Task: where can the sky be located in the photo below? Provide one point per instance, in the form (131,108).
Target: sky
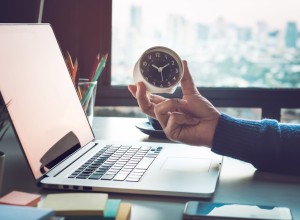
(241,12)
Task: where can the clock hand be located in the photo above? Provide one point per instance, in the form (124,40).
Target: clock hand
(165,66)
(156,67)
(161,70)
(162,78)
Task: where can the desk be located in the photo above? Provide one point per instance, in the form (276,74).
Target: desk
(239,182)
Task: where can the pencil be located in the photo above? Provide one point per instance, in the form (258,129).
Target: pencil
(95,66)
(74,71)
(100,67)
(95,78)
(79,93)
(69,62)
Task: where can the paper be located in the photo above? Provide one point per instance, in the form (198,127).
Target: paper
(124,211)
(25,213)
(111,208)
(20,198)
(76,203)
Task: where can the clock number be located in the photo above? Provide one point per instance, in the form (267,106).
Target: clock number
(169,83)
(149,57)
(145,63)
(177,70)
(173,62)
(174,78)
(157,54)
(166,56)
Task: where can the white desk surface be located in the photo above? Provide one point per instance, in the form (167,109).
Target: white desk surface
(239,182)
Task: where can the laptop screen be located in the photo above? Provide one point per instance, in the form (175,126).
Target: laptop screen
(34,80)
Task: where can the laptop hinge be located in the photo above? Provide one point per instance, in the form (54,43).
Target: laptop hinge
(63,148)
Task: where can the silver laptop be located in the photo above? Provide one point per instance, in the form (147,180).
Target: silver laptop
(59,143)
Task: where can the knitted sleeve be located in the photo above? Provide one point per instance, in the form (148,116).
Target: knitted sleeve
(267,144)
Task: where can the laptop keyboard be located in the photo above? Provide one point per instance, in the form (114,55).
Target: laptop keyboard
(118,163)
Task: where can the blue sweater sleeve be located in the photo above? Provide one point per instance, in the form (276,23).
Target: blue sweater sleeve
(268,145)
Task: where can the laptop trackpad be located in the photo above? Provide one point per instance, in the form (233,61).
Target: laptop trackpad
(187,164)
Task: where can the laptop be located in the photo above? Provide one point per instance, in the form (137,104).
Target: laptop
(58,141)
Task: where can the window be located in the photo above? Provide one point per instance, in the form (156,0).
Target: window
(236,63)
(228,43)
(241,53)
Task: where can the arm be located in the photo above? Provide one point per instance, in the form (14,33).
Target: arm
(267,144)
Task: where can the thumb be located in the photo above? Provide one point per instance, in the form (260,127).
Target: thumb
(187,84)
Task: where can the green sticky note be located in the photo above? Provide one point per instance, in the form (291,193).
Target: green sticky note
(111,209)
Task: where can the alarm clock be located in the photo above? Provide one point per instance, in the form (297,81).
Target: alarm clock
(160,68)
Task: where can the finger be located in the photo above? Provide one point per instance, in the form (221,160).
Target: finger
(187,84)
(162,109)
(143,101)
(132,89)
(157,99)
(178,118)
(174,129)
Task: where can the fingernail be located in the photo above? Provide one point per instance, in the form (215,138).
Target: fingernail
(150,98)
(140,83)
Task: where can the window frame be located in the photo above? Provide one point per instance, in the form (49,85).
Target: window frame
(270,100)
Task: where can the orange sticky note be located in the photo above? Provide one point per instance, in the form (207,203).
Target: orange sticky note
(20,198)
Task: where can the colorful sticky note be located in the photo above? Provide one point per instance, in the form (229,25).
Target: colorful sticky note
(25,213)
(76,203)
(20,199)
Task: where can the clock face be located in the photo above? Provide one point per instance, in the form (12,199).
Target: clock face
(160,69)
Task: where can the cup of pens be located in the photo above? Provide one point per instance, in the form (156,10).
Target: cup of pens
(87,88)
(87,93)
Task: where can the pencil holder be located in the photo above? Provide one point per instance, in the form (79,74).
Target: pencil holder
(87,93)
(2,163)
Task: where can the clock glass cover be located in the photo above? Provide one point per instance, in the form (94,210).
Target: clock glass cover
(160,69)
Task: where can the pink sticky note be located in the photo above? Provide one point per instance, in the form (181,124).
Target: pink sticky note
(20,198)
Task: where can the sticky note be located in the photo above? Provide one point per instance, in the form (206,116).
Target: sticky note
(25,213)
(76,203)
(124,212)
(111,209)
(20,199)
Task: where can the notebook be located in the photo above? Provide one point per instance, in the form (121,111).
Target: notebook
(58,141)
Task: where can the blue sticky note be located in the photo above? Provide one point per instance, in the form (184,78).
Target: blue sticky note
(111,209)
(10,212)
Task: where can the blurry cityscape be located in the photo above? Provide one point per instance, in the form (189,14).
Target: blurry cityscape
(219,53)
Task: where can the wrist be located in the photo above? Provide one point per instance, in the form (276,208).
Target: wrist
(214,123)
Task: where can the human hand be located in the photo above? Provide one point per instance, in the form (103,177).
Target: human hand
(145,99)
(191,120)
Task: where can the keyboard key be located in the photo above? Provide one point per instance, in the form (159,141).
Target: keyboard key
(107,176)
(120,177)
(132,179)
(95,176)
(144,163)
